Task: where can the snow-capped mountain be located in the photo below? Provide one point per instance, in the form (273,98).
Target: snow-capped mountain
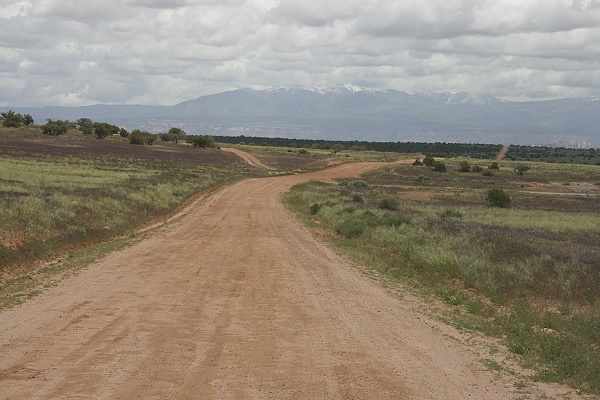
(350,112)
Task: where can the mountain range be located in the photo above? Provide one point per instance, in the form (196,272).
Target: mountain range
(353,113)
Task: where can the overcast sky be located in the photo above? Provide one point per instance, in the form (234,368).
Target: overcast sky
(68,52)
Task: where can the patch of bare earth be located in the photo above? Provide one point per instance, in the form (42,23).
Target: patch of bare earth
(235,301)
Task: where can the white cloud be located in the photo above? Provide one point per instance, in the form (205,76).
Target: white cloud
(166,51)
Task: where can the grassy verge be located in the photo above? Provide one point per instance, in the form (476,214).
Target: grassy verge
(529,274)
(52,203)
(16,290)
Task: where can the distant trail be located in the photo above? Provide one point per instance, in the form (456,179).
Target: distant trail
(235,300)
(248,158)
(502,153)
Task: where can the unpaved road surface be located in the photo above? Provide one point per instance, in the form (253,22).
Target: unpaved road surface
(234,301)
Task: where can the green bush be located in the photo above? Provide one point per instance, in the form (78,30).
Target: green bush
(451,213)
(494,165)
(395,220)
(315,208)
(476,168)
(464,166)
(498,198)
(141,137)
(56,128)
(521,169)
(429,161)
(352,228)
(418,162)
(488,173)
(360,183)
(202,141)
(389,203)
(357,197)
(439,166)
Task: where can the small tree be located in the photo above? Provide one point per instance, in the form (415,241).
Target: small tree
(55,128)
(27,119)
(12,119)
(85,126)
(141,137)
(202,141)
(494,165)
(498,198)
(177,134)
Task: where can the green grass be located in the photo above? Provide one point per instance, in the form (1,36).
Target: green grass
(52,203)
(513,267)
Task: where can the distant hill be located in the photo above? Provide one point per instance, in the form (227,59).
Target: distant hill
(352,113)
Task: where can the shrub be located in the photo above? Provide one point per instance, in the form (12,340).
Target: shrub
(476,168)
(357,197)
(395,220)
(429,161)
(498,198)
(360,183)
(439,166)
(202,141)
(494,165)
(521,169)
(488,173)
(141,137)
(418,162)
(450,213)
(315,208)
(389,203)
(55,128)
(464,166)
(352,228)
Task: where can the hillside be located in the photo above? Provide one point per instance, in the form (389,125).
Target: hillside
(352,113)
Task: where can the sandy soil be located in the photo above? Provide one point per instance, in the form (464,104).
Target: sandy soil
(248,158)
(236,300)
(502,153)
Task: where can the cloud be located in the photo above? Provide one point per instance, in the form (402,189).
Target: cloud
(163,52)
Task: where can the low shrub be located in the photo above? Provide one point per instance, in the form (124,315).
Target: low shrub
(357,197)
(315,208)
(498,198)
(389,203)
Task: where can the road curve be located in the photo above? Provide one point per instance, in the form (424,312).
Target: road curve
(234,301)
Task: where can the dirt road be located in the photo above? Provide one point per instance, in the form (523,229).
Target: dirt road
(235,301)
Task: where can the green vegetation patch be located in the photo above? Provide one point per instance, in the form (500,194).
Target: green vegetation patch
(49,203)
(529,273)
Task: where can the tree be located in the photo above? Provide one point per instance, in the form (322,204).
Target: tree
(55,128)
(123,132)
(176,134)
(498,198)
(103,129)
(141,137)
(12,119)
(27,119)
(85,126)
(521,169)
(202,141)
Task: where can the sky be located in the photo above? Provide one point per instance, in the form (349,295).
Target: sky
(73,53)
